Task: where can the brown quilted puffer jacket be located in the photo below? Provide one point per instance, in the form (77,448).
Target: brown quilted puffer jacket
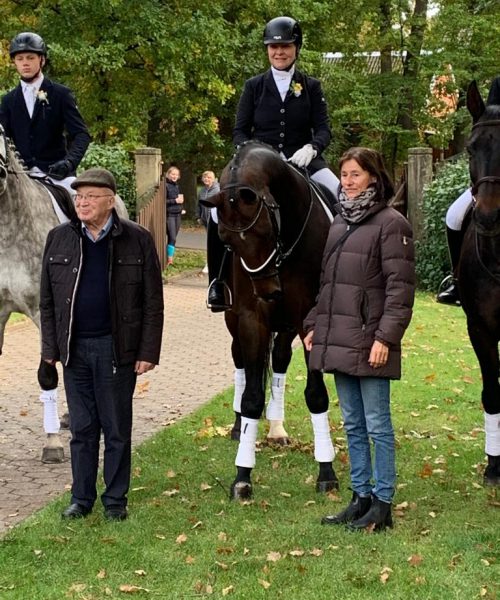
(366,293)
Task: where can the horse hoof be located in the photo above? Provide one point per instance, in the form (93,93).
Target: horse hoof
(281,441)
(323,487)
(51,455)
(241,490)
(64,421)
(491,480)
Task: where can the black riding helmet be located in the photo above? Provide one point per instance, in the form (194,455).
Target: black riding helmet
(283,30)
(27,42)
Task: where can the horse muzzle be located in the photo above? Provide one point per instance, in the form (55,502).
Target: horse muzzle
(267,287)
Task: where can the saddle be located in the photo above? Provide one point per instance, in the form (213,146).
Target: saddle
(61,196)
(324,193)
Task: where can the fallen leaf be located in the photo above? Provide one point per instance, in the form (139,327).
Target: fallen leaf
(432,514)
(483,591)
(140,572)
(78,587)
(222,565)
(205,486)
(23,413)
(101,574)
(222,537)
(426,471)
(180,539)
(265,584)
(138,489)
(228,590)
(170,473)
(316,552)
(285,494)
(197,524)
(189,560)
(160,536)
(170,493)
(415,559)
(310,503)
(37,552)
(296,553)
(273,556)
(401,505)
(132,589)
(385,574)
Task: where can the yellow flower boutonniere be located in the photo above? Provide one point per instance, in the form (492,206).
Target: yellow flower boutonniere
(296,89)
(41,96)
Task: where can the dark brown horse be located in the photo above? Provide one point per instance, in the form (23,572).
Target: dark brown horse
(277,227)
(479,268)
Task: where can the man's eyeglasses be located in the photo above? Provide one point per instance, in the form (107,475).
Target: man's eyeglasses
(91,197)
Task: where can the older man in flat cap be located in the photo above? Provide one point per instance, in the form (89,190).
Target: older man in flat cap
(101,304)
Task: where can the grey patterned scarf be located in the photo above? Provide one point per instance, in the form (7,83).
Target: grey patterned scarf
(354,211)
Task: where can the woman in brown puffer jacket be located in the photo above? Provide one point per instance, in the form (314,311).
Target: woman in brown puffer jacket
(363,309)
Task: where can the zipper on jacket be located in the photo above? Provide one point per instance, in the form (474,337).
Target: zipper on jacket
(73,296)
(334,276)
(110,287)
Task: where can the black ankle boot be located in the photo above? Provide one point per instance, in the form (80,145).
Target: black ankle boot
(449,294)
(358,506)
(216,298)
(377,518)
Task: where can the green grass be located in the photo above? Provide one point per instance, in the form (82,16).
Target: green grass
(185,539)
(185,261)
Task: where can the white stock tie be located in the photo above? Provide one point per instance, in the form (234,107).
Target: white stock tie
(30,98)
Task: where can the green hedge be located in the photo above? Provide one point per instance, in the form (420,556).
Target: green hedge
(116,159)
(433,262)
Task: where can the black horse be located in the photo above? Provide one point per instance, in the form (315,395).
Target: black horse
(277,227)
(479,267)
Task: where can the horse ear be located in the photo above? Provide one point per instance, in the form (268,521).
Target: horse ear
(475,103)
(494,95)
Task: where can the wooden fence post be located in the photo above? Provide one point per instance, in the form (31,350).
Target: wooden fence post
(419,175)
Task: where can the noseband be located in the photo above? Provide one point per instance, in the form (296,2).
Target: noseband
(487,178)
(273,210)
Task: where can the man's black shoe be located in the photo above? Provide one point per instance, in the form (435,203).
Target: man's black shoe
(75,511)
(115,513)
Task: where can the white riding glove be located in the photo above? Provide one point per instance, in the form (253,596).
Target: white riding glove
(304,156)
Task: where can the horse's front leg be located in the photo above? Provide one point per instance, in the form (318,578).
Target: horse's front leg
(53,451)
(275,412)
(316,396)
(486,349)
(256,356)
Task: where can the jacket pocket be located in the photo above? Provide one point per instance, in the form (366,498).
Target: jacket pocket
(59,268)
(129,268)
(365,309)
(130,330)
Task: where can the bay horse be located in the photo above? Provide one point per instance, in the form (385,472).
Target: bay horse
(277,227)
(479,266)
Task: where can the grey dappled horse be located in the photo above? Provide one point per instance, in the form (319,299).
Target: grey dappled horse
(27,216)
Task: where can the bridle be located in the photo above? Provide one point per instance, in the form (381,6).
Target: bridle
(5,166)
(487,178)
(479,230)
(273,210)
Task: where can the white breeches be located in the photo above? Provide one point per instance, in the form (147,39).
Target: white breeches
(457,211)
(328,179)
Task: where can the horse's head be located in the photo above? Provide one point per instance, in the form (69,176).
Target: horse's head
(249,217)
(483,147)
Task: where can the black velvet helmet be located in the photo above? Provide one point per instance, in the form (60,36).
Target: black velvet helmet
(27,42)
(283,30)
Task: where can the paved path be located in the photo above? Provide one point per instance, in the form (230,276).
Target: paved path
(195,343)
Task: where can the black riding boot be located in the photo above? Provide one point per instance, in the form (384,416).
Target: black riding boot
(449,295)
(358,507)
(216,260)
(377,518)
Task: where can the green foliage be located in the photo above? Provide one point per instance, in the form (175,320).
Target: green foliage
(433,262)
(184,539)
(117,160)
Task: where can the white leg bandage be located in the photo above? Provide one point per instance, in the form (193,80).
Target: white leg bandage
(492,434)
(239,388)
(276,406)
(246,448)
(50,415)
(323,447)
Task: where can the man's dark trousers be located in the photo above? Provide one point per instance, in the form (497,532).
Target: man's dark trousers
(99,396)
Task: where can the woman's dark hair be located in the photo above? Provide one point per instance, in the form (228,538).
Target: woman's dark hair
(371,161)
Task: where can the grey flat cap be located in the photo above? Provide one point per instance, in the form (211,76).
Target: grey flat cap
(97,177)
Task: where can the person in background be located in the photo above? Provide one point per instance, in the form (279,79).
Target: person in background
(101,313)
(355,330)
(174,200)
(286,109)
(210,188)
(41,117)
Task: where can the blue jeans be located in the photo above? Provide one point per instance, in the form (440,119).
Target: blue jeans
(365,406)
(99,397)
